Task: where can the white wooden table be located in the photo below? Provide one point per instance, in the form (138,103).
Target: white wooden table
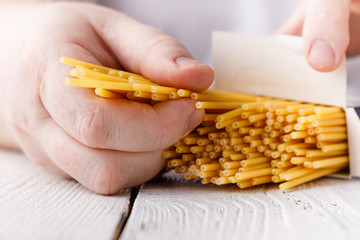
(38,205)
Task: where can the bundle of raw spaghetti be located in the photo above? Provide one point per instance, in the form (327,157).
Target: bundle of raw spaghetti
(244,139)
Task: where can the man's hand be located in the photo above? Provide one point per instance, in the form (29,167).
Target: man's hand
(104,144)
(330,29)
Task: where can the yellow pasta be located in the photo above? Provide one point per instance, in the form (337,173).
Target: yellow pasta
(208,174)
(328,122)
(255,161)
(291,118)
(231,165)
(258,166)
(81,71)
(141,87)
(135,79)
(320,153)
(125,74)
(253,173)
(142,94)
(300,160)
(208,97)
(244,184)
(294,174)
(74,63)
(261,180)
(218,105)
(229,115)
(206,130)
(206,180)
(327,110)
(240,97)
(308,177)
(300,151)
(243,139)
(230,172)
(253,155)
(257,117)
(106,94)
(222,180)
(162,90)
(201,161)
(331,162)
(188,157)
(284,164)
(332,136)
(91,83)
(210,167)
(291,147)
(299,134)
(184,93)
(240,123)
(277,171)
(330,129)
(237,156)
(276,179)
(177,162)
(196,149)
(159,97)
(170,154)
(210,117)
(297,107)
(334,147)
(183,149)
(306,111)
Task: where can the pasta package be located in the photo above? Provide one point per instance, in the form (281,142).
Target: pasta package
(266,140)
(250,136)
(276,66)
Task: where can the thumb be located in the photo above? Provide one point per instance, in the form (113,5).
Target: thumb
(149,51)
(326,33)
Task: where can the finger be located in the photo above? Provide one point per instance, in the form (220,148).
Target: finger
(103,171)
(294,25)
(150,52)
(326,33)
(117,124)
(33,151)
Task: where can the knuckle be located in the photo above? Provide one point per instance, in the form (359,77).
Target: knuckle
(168,130)
(157,39)
(20,120)
(110,177)
(92,129)
(15,119)
(164,132)
(318,14)
(49,166)
(325,16)
(160,135)
(38,159)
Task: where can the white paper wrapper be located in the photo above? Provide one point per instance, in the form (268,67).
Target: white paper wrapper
(275,66)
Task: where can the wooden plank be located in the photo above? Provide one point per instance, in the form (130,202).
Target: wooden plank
(327,209)
(37,205)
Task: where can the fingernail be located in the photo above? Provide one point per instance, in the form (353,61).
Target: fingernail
(185,61)
(194,120)
(322,56)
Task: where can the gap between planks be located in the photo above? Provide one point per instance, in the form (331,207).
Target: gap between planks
(124,218)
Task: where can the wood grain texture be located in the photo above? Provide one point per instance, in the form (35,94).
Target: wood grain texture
(324,209)
(37,205)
